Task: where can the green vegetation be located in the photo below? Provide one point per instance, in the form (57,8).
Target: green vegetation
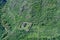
(30,20)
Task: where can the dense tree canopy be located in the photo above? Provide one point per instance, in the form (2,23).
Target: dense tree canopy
(29,19)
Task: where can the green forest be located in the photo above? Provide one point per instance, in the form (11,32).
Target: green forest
(29,19)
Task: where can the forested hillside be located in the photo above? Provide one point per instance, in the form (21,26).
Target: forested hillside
(29,19)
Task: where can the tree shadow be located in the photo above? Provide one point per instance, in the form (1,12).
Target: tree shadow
(2,3)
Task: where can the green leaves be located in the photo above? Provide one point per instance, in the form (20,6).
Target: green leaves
(40,16)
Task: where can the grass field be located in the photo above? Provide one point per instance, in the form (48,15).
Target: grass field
(30,20)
